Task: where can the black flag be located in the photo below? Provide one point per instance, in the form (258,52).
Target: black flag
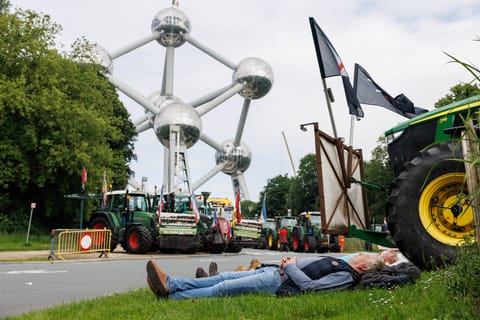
(369,92)
(331,65)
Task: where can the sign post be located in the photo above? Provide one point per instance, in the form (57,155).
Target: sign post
(32,206)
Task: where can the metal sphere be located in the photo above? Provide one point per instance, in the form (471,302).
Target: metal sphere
(257,74)
(160,102)
(173,23)
(237,159)
(182,115)
(98,55)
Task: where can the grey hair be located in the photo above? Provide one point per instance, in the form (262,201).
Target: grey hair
(376,264)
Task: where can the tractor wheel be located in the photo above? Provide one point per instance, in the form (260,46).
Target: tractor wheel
(334,245)
(271,243)
(215,248)
(234,248)
(309,244)
(296,240)
(137,240)
(102,223)
(428,211)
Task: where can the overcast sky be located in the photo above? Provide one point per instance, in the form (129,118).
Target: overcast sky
(400,43)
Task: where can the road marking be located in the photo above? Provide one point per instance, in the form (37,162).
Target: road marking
(33,272)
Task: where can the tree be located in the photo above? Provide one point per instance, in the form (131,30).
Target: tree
(378,172)
(248,209)
(57,116)
(457,93)
(4,6)
(276,190)
(303,193)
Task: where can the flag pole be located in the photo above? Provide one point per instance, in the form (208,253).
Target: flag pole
(329,106)
(352,124)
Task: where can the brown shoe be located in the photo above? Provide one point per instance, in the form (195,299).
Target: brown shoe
(254,264)
(152,287)
(213,269)
(157,279)
(201,273)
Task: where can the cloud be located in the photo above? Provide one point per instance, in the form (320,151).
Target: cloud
(400,43)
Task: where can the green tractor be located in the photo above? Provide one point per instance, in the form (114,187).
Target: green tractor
(308,236)
(287,222)
(429,210)
(269,233)
(128,215)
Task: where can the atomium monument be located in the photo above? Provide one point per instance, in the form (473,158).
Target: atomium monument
(178,124)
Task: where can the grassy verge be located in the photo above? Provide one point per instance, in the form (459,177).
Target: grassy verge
(17,242)
(428,298)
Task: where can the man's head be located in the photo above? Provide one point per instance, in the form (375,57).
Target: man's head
(389,256)
(366,262)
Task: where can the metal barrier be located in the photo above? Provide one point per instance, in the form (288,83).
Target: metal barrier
(78,241)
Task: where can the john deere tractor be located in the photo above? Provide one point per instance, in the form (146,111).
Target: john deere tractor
(429,210)
(269,233)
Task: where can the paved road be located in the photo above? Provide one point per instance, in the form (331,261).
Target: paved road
(32,286)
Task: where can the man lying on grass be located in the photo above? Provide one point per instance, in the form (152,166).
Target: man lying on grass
(290,277)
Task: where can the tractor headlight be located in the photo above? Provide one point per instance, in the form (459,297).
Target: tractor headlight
(393,136)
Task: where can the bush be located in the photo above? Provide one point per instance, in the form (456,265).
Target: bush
(465,273)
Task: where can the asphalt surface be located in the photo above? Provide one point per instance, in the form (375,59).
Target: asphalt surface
(28,285)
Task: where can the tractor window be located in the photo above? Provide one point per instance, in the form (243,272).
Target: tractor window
(269,224)
(315,220)
(138,203)
(289,222)
(118,203)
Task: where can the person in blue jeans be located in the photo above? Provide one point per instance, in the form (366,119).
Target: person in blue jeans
(291,276)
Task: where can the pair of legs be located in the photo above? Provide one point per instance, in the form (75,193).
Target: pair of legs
(265,280)
(213,269)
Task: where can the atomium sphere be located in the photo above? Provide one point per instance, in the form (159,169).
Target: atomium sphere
(237,159)
(98,55)
(180,115)
(257,74)
(160,102)
(174,23)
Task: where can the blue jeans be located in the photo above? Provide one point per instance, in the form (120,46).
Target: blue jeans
(265,280)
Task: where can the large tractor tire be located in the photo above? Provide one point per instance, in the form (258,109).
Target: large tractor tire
(271,242)
(102,223)
(428,211)
(309,244)
(138,240)
(297,244)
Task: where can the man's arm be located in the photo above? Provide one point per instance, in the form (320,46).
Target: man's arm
(336,280)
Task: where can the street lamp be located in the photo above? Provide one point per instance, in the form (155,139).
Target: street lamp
(303,126)
(318,159)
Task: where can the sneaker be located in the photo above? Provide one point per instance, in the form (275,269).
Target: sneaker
(213,269)
(157,279)
(201,273)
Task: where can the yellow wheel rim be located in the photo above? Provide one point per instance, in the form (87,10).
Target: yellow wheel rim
(270,240)
(445,211)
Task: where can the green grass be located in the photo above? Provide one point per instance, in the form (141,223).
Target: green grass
(428,298)
(17,242)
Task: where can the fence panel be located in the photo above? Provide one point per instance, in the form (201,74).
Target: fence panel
(77,241)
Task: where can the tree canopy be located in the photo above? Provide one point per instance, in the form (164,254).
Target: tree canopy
(57,116)
(458,92)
